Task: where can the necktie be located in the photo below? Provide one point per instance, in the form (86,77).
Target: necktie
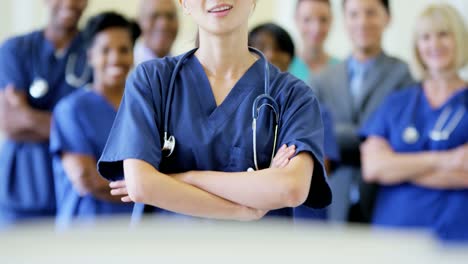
(356,83)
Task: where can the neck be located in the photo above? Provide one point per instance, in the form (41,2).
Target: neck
(60,37)
(365,54)
(159,53)
(439,87)
(227,56)
(315,57)
(113,94)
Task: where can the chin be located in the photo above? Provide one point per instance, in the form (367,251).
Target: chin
(117,81)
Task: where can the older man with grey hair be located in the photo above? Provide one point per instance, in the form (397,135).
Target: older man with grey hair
(159,23)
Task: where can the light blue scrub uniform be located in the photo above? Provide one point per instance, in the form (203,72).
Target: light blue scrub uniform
(300,69)
(26,178)
(408,205)
(210,137)
(332,153)
(81,124)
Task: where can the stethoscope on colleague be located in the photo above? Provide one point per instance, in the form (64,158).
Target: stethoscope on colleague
(263,100)
(40,87)
(442,128)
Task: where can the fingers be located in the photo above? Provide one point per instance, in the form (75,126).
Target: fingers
(13,96)
(283,156)
(281,153)
(117,184)
(285,163)
(291,151)
(119,191)
(287,153)
(126,199)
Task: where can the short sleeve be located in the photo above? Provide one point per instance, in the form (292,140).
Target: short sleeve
(67,133)
(377,124)
(11,69)
(301,125)
(331,149)
(135,132)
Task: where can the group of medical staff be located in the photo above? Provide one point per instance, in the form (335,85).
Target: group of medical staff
(102,121)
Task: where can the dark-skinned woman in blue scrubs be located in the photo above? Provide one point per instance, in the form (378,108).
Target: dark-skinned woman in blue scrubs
(82,121)
(217,147)
(36,71)
(417,142)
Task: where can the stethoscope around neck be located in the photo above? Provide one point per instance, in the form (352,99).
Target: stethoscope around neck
(262,101)
(443,127)
(40,87)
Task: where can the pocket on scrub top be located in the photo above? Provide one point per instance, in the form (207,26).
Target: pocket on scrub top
(240,159)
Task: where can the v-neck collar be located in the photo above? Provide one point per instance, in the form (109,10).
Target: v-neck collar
(49,47)
(454,97)
(104,100)
(216,115)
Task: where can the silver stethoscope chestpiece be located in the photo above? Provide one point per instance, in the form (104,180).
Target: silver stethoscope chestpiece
(169,145)
(410,135)
(39,88)
(438,135)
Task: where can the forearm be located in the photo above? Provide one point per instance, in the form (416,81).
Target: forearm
(147,185)
(81,172)
(397,168)
(443,180)
(266,189)
(28,124)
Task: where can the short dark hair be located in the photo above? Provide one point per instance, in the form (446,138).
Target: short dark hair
(279,34)
(385,4)
(106,20)
(323,1)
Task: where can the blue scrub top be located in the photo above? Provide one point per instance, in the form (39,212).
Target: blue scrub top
(332,153)
(210,137)
(409,205)
(81,124)
(26,178)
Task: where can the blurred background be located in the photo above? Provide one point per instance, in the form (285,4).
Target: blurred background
(21,16)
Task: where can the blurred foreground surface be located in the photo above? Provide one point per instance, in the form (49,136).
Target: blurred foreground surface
(171,241)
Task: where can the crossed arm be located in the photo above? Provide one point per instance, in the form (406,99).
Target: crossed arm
(18,120)
(438,170)
(220,195)
(82,173)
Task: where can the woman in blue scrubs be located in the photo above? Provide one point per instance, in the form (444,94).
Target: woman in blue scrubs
(210,116)
(82,121)
(313,21)
(278,47)
(417,142)
(36,70)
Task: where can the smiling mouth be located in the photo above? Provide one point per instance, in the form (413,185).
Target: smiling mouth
(220,9)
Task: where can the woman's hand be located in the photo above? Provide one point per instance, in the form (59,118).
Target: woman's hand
(455,159)
(283,156)
(374,152)
(119,188)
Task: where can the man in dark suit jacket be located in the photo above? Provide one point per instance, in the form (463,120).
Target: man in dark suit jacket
(352,90)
